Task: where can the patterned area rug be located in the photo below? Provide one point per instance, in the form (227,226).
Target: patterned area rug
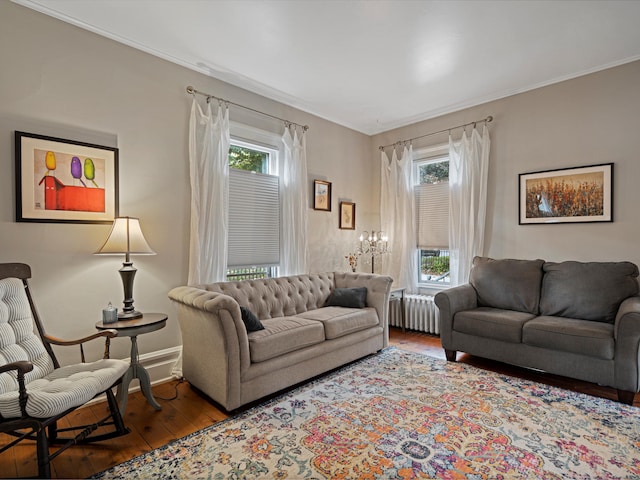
(404,415)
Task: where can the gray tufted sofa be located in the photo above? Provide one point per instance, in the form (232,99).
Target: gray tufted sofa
(579,320)
(302,337)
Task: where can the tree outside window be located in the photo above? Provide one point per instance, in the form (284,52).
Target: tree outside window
(244,158)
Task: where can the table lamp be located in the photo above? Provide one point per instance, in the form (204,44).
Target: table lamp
(126,237)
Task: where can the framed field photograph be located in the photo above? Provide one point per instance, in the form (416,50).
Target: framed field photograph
(322,195)
(347,216)
(64,181)
(570,195)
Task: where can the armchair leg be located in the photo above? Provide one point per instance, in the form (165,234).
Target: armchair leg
(626,397)
(450,354)
(114,409)
(53,432)
(42,447)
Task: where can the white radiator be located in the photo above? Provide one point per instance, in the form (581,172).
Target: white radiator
(421,314)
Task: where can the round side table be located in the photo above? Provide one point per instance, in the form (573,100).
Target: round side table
(149,322)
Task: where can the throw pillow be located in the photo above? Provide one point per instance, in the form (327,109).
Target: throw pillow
(348,297)
(251,322)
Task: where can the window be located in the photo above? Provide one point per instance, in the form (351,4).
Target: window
(432,208)
(254,206)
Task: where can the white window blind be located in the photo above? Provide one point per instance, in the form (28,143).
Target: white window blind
(254,219)
(432,202)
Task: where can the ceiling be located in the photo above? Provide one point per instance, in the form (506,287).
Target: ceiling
(371,65)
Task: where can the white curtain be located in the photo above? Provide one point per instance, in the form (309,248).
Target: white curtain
(397,218)
(209,171)
(293,260)
(468,170)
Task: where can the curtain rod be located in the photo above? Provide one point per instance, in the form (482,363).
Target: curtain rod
(400,142)
(193,91)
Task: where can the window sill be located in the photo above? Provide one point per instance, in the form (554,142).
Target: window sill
(431,289)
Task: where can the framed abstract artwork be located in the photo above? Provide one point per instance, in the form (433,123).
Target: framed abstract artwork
(347,216)
(64,181)
(322,195)
(570,195)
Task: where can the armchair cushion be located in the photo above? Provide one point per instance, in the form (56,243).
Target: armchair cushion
(64,388)
(18,342)
(588,291)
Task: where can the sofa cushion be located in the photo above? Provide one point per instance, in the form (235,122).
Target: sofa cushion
(355,297)
(505,325)
(584,337)
(340,321)
(507,283)
(587,291)
(283,335)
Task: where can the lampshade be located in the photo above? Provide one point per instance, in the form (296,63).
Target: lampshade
(126,237)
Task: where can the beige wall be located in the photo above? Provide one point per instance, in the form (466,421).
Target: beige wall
(585,121)
(62,81)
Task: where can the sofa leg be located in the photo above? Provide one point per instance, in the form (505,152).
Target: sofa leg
(626,397)
(450,354)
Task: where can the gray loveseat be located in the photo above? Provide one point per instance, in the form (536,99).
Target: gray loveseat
(301,337)
(579,320)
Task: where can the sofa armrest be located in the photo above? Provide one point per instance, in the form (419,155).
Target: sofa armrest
(215,343)
(202,299)
(627,341)
(450,302)
(378,288)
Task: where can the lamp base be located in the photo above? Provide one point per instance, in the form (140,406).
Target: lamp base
(128,273)
(129,315)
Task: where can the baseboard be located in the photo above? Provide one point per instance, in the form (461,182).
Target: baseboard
(159,365)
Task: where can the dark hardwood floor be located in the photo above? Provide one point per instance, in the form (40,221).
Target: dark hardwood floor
(190,412)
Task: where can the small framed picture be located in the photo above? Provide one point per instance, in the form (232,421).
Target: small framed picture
(322,195)
(65,181)
(347,215)
(569,195)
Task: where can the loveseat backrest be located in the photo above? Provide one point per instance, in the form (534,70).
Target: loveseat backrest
(278,297)
(582,290)
(587,290)
(507,283)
